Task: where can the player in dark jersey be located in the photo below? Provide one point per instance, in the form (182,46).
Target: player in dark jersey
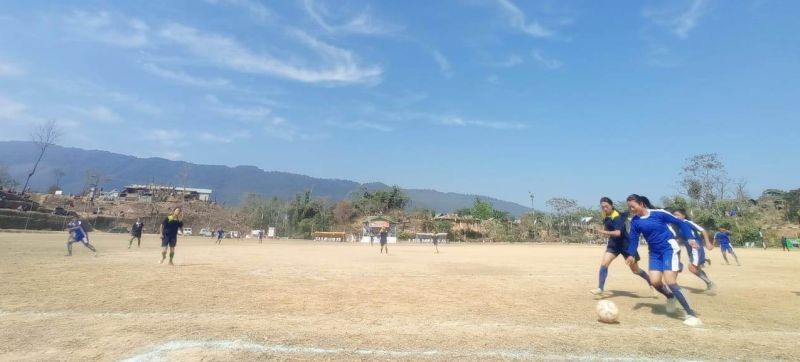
(170,228)
(136,233)
(614,230)
(384,238)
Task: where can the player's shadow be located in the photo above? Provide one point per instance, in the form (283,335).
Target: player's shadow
(198,264)
(622,293)
(796,293)
(659,309)
(694,290)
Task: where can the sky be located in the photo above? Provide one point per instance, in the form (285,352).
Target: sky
(577,99)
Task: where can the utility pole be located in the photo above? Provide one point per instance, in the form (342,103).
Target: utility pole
(533,210)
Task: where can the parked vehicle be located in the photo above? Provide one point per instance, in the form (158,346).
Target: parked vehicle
(187,231)
(206,232)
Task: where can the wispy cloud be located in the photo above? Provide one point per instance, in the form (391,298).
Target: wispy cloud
(255,8)
(111,29)
(361,125)
(184,78)
(511,61)
(95,91)
(461,122)
(253,114)
(443,63)
(363,23)
(680,21)
(167,137)
(11,110)
(224,137)
(10,70)
(549,63)
(339,65)
(101,114)
(516,19)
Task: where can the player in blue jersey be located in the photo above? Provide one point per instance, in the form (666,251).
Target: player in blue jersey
(78,235)
(614,230)
(723,237)
(697,254)
(663,250)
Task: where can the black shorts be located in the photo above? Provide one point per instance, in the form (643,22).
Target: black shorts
(169,241)
(383,242)
(616,250)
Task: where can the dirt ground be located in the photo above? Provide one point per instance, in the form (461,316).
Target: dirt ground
(300,300)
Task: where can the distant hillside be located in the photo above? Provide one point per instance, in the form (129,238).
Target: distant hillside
(229,183)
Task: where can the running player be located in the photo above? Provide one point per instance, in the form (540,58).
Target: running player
(663,250)
(220,234)
(136,233)
(614,230)
(78,234)
(170,228)
(723,236)
(697,254)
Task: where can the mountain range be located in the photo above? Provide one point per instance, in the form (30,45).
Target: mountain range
(229,184)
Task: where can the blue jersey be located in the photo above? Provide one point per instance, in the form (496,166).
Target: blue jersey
(723,237)
(697,232)
(655,230)
(77,231)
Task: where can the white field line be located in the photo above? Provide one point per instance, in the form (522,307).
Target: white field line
(232,317)
(158,352)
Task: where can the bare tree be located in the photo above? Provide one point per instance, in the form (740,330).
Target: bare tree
(705,179)
(741,190)
(45,135)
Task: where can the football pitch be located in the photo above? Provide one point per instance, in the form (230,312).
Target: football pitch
(301,300)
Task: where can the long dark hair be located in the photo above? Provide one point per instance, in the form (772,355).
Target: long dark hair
(683,212)
(642,200)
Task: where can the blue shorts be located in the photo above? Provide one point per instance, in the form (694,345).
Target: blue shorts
(666,259)
(169,241)
(697,257)
(726,247)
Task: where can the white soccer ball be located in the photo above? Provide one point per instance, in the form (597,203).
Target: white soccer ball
(607,311)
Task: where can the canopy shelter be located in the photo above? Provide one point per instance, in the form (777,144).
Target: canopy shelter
(372,225)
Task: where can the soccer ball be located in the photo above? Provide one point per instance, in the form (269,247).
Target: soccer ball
(607,311)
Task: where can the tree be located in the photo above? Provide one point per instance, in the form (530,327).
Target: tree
(482,210)
(261,213)
(46,135)
(563,208)
(343,212)
(380,201)
(705,179)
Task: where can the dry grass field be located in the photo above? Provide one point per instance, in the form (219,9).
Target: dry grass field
(301,300)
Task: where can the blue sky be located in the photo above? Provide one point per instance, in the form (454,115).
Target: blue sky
(497,97)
